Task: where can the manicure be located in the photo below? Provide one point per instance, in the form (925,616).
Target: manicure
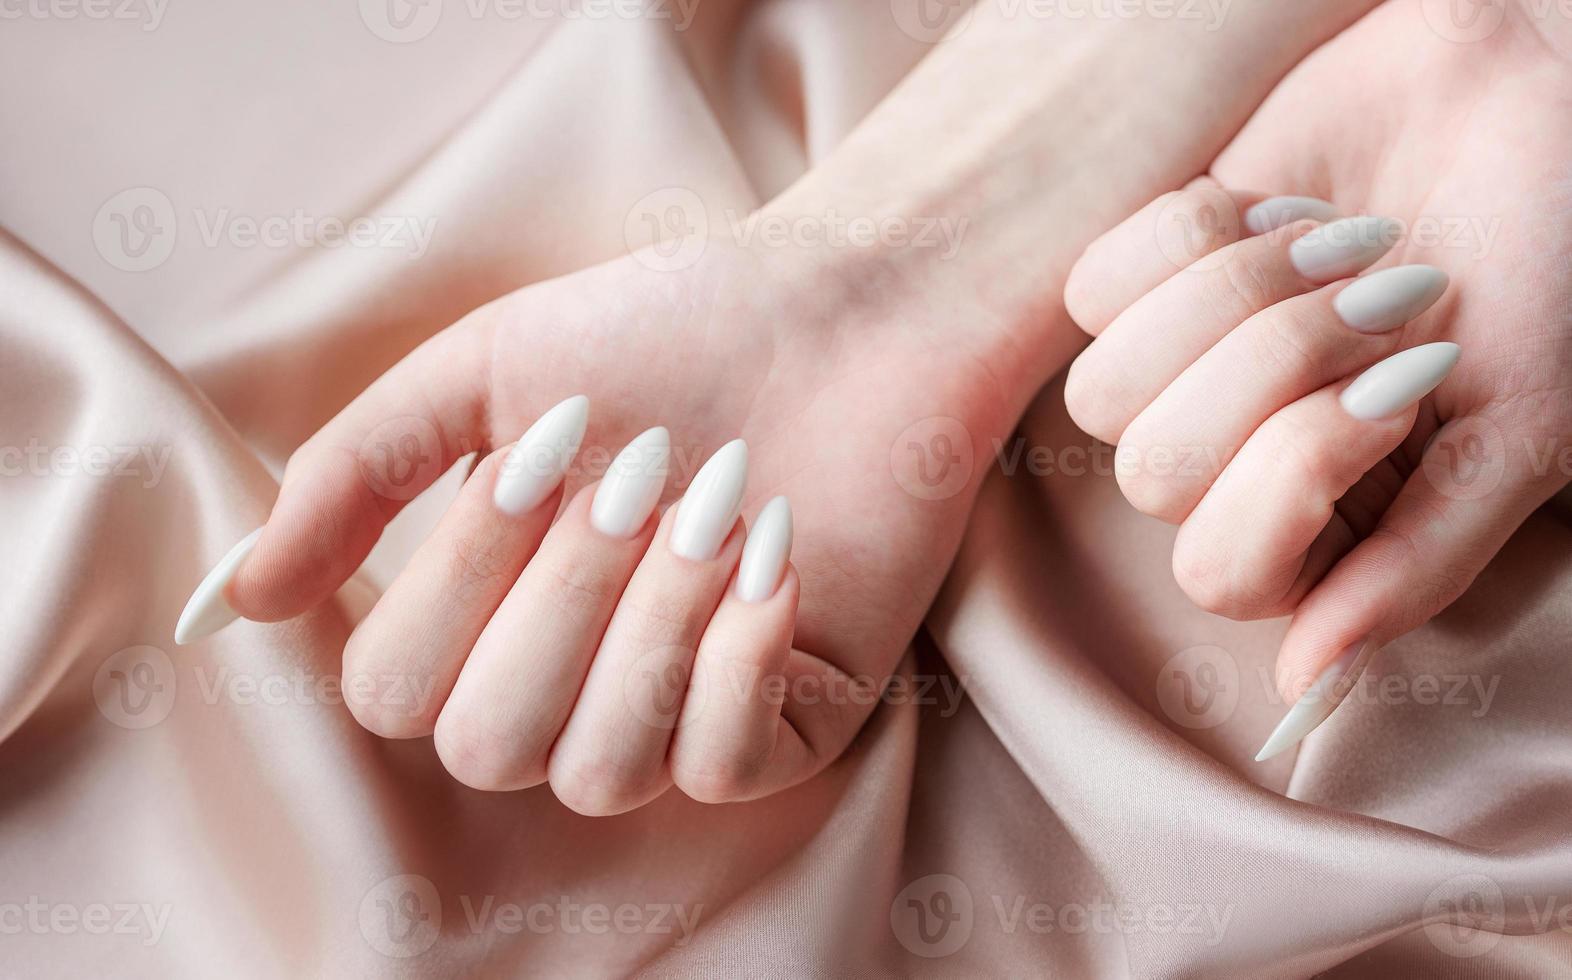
(1319,700)
(632,485)
(1397,382)
(1343,248)
(540,458)
(1275,212)
(1388,299)
(208,611)
(766,552)
(708,510)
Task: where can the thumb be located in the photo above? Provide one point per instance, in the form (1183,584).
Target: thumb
(343,485)
(1472,489)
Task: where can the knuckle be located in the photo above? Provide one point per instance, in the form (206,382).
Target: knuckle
(1302,454)
(725,781)
(1086,400)
(595,787)
(1243,286)
(476,567)
(1152,478)
(481,759)
(1285,346)
(1082,298)
(1199,570)
(576,586)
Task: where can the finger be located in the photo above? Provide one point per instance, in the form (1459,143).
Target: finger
(518,685)
(1241,552)
(731,742)
(611,755)
(1150,246)
(1273,359)
(344,484)
(1165,331)
(402,660)
(1474,487)
(339,494)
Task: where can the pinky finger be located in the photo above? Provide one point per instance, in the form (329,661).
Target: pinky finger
(729,734)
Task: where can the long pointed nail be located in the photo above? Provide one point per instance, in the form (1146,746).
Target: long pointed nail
(541,457)
(708,510)
(631,487)
(1275,212)
(1319,700)
(1343,248)
(1388,299)
(766,552)
(207,611)
(1392,385)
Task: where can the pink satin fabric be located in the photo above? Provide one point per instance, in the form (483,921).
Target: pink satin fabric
(1087,807)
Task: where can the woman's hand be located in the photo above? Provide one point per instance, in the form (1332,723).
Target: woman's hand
(1363,510)
(563,654)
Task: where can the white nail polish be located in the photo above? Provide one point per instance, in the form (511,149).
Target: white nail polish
(1388,299)
(1275,212)
(631,487)
(708,510)
(207,611)
(541,456)
(765,553)
(1343,248)
(1394,384)
(1319,700)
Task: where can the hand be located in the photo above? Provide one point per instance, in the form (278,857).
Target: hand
(1362,528)
(531,641)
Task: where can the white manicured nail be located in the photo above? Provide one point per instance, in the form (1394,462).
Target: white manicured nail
(1275,212)
(207,611)
(632,485)
(1388,299)
(708,510)
(541,456)
(766,552)
(1394,384)
(1319,700)
(1343,248)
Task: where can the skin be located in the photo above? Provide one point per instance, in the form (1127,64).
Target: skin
(869,382)
(1356,529)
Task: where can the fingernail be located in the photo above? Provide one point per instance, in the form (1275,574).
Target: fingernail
(708,510)
(1319,700)
(1394,384)
(632,485)
(1388,299)
(1343,248)
(765,554)
(541,456)
(1275,212)
(207,611)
